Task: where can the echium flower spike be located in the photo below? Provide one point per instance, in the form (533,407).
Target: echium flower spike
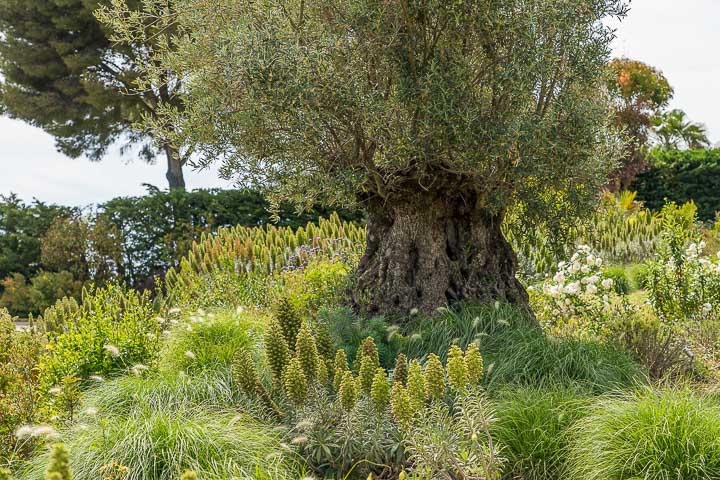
(474,364)
(416,386)
(348,391)
(276,349)
(400,405)
(401,369)
(380,392)
(306,351)
(434,378)
(289,319)
(295,383)
(339,369)
(369,363)
(59,468)
(456,369)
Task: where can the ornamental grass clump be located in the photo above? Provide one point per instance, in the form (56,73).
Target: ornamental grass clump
(151,444)
(534,426)
(650,434)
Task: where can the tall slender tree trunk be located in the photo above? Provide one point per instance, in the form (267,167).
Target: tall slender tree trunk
(427,251)
(174,174)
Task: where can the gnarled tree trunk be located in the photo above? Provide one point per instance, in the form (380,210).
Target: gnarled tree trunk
(428,251)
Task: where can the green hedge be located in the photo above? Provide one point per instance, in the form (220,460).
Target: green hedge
(681,176)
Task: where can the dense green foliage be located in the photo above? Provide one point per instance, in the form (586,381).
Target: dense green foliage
(50,252)
(22,227)
(682,176)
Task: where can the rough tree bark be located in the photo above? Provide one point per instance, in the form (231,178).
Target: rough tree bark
(428,251)
(174,173)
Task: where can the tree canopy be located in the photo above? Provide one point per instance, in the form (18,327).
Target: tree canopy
(639,94)
(61,72)
(455,110)
(340,99)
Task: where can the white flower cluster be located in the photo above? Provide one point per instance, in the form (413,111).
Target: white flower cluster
(578,286)
(687,287)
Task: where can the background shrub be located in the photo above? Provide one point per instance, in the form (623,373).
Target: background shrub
(114,330)
(682,176)
(20,353)
(208,341)
(618,275)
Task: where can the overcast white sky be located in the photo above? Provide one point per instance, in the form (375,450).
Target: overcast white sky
(678,37)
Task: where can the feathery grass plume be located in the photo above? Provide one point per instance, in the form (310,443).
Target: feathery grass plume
(5,474)
(276,349)
(434,378)
(348,391)
(473,364)
(380,392)
(339,368)
(369,362)
(295,383)
(59,468)
(400,373)
(307,353)
(457,371)
(189,475)
(416,388)
(289,319)
(401,405)
(244,374)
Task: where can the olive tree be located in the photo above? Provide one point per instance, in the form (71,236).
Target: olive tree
(435,116)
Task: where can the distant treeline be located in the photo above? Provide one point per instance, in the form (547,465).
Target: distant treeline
(50,251)
(680,176)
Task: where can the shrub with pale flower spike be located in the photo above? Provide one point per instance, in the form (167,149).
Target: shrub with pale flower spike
(434,378)
(295,384)
(348,391)
(59,468)
(339,369)
(380,392)
(457,371)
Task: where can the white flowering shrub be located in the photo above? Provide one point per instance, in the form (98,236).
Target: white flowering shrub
(578,290)
(684,285)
